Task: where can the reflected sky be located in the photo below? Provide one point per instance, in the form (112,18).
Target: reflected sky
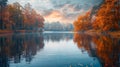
(58,50)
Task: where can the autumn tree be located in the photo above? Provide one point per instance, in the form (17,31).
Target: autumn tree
(2,6)
(12,16)
(32,20)
(17,13)
(27,15)
(103,17)
(107,16)
(39,22)
(15,17)
(82,23)
(7,23)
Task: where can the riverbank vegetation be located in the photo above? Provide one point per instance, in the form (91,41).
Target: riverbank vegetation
(15,17)
(104,17)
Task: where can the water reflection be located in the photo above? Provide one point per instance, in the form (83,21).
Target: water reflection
(16,47)
(57,36)
(106,48)
(59,50)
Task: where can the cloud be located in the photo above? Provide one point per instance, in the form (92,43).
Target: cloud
(56,15)
(66,14)
(65,11)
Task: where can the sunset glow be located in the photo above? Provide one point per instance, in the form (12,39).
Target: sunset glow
(64,11)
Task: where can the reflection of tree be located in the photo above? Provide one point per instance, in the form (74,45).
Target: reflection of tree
(105,48)
(17,47)
(32,44)
(3,57)
(82,40)
(108,50)
(57,36)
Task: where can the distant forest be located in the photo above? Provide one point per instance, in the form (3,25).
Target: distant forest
(57,26)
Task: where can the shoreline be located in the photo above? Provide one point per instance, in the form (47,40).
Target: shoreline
(5,31)
(89,32)
(93,32)
(115,34)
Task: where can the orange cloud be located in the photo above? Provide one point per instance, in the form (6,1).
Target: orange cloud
(57,16)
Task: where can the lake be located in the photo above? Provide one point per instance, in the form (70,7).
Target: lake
(59,49)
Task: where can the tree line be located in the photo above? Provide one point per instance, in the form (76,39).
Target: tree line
(103,17)
(16,17)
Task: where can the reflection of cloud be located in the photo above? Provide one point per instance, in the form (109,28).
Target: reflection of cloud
(60,10)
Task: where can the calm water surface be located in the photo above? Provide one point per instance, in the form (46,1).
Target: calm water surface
(59,49)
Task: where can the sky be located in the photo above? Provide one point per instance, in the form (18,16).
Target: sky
(64,11)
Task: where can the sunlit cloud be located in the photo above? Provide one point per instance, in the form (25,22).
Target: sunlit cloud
(65,11)
(53,16)
(56,15)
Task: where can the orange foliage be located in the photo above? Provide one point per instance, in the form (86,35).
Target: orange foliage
(5,18)
(82,40)
(16,17)
(107,16)
(82,23)
(105,48)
